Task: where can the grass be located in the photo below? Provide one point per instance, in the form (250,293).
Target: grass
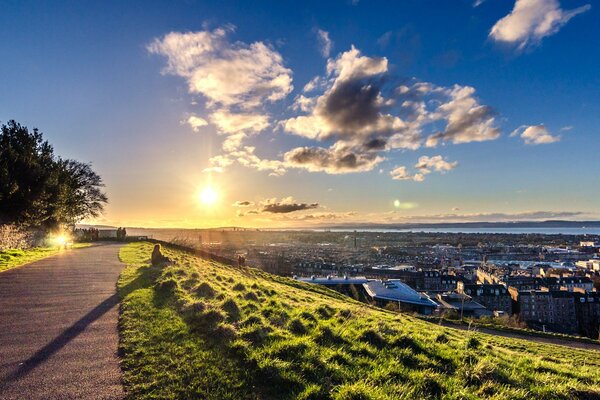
(198,329)
(16,257)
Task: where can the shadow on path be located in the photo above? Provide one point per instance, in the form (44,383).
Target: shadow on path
(61,340)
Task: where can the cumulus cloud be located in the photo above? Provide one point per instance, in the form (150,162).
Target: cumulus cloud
(467,120)
(325,43)
(226,73)
(275,206)
(535,134)
(353,115)
(236,79)
(196,122)
(366,116)
(243,203)
(401,173)
(424,166)
(331,160)
(435,163)
(532,20)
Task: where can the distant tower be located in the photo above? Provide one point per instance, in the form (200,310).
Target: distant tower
(355,240)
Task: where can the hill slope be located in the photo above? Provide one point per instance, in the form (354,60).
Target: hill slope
(198,329)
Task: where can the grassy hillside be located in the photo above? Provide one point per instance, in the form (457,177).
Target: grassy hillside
(197,329)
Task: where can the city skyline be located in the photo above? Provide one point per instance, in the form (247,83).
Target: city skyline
(198,115)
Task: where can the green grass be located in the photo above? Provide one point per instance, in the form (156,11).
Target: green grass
(16,257)
(198,329)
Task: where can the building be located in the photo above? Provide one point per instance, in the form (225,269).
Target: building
(412,278)
(334,280)
(568,283)
(432,280)
(548,310)
(493,296)
(591,265)
(462,304)
(395,291)
(449,282)
(587,309)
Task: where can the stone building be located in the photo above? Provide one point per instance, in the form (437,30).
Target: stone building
(553,310)
(494,297)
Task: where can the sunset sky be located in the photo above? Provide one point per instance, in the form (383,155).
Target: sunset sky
(269,114)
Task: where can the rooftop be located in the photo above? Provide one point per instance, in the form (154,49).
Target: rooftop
(334,280)
(396,290)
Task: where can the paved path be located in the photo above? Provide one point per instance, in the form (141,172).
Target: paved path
(58,327)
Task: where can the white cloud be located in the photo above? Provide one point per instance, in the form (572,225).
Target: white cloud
(365,119)
(535,134)
(333,160)
(424,166)
(467,120)
(532,20)
(325,42)
(237,80)
(231,123)
(400,173)
(359,112)
(196,122)
(225,73)
(437,163)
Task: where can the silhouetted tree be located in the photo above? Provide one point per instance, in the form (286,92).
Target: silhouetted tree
(38,188)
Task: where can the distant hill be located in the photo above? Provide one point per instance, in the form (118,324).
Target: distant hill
(199,329)
(473,225)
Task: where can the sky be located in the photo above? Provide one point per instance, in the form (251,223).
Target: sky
(297,114)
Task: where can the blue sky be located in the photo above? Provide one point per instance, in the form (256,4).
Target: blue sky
(104,85)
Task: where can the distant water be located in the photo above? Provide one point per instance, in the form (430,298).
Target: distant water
(169,234)
(540,231)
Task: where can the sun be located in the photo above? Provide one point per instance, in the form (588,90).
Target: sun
(209,196)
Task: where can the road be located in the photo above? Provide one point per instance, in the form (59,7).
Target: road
(58,327)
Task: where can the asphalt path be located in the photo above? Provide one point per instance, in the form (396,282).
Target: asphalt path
(58,327)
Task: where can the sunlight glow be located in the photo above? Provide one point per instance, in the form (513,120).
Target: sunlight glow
(209,196)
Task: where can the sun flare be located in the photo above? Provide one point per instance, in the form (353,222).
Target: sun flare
(208,196)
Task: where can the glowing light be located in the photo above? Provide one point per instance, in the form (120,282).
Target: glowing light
(405,205)
(60,240)
(209,196)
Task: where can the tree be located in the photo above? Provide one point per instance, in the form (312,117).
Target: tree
(40,189)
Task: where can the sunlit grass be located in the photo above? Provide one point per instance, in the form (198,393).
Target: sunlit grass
(198,329)
(16,257)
